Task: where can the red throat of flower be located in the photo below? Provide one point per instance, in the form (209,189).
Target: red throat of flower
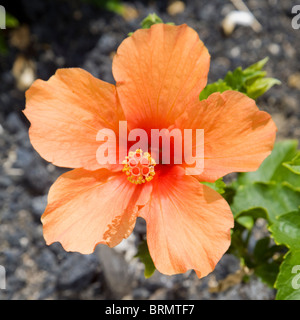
(139,167)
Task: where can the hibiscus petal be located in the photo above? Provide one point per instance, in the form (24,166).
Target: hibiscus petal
(158,72)
(66,112)
(188,224)
(90,207)
(237,135)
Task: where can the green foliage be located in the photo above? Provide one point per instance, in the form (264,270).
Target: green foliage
(274,167)
(11,21)
(144,256)
(273,188)
(288,279)
(252,81)
(150,20)
(273,198)
(293,165)
(272,193)
(286,230)
(264,265)
(218,185)
(268,272)
(219,86)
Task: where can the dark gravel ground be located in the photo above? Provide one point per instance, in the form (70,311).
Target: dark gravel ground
(76,34)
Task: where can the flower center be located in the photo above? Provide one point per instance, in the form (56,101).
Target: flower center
(139,167)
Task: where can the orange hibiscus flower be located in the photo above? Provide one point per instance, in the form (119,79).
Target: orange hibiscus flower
(159,74)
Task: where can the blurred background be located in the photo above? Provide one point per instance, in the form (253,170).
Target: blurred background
(44,35)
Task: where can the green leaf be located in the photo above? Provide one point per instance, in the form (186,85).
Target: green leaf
(219,86)
(274,198)
(150,20)
(258,65)
(246,221)
(286,230)
(288,280)
(144,255)
(268,272)
(293,165)
(260,86)
(254,213)
(272,169)
(219,185)
(229,193)
(262,250)
(254,72)
(251,81)
(247,217)
(11,21)
(235,79)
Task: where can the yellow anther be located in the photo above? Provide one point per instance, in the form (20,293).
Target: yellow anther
(139,167)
